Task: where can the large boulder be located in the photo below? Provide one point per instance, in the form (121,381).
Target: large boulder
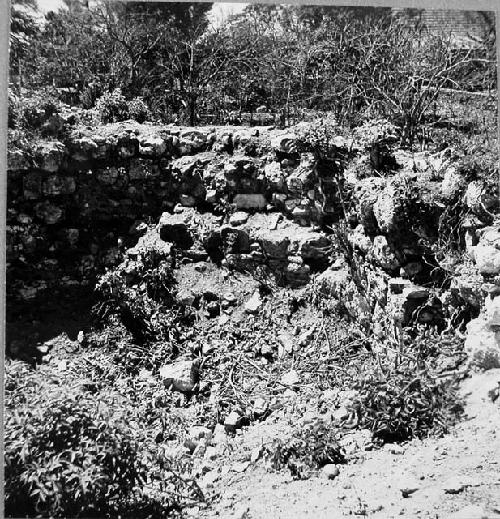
(274,176)
(453,184)
(182,375)
(483,344)
(487,252)
(284,143)
(174,228)
(365,194)
(152,146)
(49,156)
(250,201)
(234,240)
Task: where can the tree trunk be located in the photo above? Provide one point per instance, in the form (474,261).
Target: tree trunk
(192,110)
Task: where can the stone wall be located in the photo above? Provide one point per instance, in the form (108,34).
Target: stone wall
(246,196)
(73,202)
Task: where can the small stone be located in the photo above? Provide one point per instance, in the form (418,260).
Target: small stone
(211,453)
(342,413)
(253,305)
(224,319)
(187,200)
(211,196)
(331,471)
(255,454)
(213,309)
(286,343)
(397,450)
(197,432)
(408,490)
(138,228)
(219,435)
(229,297)
(259,407)
(232,422)
(42,348)
(210,478)
(241,466)
(185,297)
(62,365)
(291,378)
(242,512)
(238,218)
(456,484)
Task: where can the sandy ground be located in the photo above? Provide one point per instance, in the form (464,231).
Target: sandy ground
(457,476)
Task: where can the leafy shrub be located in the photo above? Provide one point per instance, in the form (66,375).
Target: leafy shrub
(406,404)
(308,449)
(31,112)
(65,460)
(319,135)
(90,94)
(139,291)
(112,107)
(74,453)
(138,110)
(479,164)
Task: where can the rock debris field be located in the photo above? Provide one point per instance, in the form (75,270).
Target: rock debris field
(282,323)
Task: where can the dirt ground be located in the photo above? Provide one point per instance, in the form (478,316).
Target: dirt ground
(455,477)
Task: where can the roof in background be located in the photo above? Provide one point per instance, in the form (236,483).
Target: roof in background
(467,28)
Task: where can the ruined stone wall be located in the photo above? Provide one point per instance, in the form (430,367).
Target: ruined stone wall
(246,196)
(73,202)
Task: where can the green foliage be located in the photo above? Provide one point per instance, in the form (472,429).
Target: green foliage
(140,291)
(138,110)
(319,136)
(23,28)
(90,94)
(309,448)
(30,113)
(406,404)
(112,107)
(71,451)
(292,59)
(66,460)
